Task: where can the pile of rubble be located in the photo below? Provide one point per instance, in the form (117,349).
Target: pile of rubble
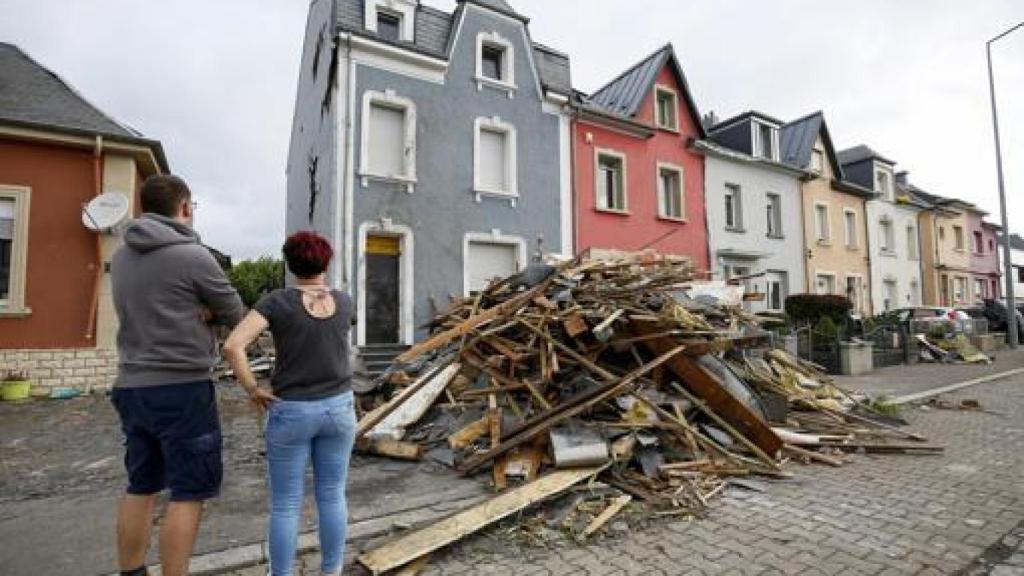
(628,377)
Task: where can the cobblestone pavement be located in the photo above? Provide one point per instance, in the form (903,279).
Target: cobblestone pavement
(962,512)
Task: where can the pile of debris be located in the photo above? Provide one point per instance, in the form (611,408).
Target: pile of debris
(628,376)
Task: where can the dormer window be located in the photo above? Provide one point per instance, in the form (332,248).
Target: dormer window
(766,141)
(389,25)
(495,63)
(817,161)
(883,184)
(666,106)
(391,20)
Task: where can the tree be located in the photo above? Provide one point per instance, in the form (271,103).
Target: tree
(254,278)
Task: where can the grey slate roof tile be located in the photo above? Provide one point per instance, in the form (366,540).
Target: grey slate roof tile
(796,139)
(859,154)
(624,95)
(433,37)
(32,94)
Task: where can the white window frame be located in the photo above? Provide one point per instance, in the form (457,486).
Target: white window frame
(860,289)
(959,240)
(776,218)
(508,63)
(826,274)
(492,237)
(658,91)
(887,232)
(893,302)
(404,8)
(389,99)
(827,239)
(818,153)
(850,237)
(737,207)
(14,305)
(406,277)
(666,167)
(621,157)
(756,135)
(913,253)
(887,191)
(496,124)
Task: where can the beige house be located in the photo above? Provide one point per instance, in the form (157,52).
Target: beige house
(945,251)
(834,222)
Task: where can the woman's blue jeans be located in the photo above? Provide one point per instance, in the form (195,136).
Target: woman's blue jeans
(323,430)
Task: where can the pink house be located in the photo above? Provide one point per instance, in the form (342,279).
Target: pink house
(984,242)
(637,182)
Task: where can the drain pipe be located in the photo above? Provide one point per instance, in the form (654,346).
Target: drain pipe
(90,331)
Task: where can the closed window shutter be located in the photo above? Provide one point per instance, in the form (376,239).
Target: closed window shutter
(487,261)
(387,141)
(493,153)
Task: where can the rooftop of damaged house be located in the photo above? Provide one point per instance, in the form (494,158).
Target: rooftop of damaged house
(69,175)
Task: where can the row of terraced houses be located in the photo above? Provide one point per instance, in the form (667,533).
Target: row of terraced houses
(440,150)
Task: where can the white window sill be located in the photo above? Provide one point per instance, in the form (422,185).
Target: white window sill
(409,182)
(512,197)
(482,81)
(613,211)
(736,229)
(676,219)
(776,237)
(888,253)
(824,242)
(853,248)
(11,312)
(672,129)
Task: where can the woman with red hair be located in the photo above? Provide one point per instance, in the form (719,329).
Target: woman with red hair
(311,415)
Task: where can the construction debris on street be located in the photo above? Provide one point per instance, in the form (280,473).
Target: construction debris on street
(608,385)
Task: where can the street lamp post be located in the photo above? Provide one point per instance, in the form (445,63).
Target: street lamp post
(1011,310)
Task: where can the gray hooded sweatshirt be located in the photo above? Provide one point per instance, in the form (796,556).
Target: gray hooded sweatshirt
(162,278)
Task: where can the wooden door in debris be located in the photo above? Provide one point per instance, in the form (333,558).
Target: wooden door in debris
(383,262)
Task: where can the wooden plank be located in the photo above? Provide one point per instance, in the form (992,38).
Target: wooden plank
(377,415)
(391,448)
(702,406)
(414,568)
(815,456)
(469,434)
(413,406)
(607,514)
(507,307)
(706,387)
(421,542)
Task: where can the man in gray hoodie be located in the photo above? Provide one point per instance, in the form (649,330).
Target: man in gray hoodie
(168,290)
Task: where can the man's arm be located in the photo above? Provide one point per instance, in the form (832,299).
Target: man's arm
(216,292)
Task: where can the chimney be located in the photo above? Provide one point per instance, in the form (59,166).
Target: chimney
(710,120)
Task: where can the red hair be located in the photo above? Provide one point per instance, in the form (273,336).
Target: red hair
(307,254)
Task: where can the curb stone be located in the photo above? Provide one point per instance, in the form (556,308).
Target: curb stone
(909,398)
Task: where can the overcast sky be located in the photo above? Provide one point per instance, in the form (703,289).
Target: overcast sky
(215,80)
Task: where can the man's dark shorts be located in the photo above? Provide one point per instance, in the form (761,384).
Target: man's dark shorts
(172,440)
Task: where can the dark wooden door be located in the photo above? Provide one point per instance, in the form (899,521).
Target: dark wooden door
(382,285)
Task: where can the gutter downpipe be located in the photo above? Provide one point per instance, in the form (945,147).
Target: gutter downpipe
(90,330)
(574,181)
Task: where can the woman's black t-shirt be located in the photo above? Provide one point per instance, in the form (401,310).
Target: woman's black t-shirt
(312,353)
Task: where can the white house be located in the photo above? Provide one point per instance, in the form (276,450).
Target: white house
(1017,257)
(754,209)
(893,236)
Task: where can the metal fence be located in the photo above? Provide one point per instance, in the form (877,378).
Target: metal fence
(891,345)
(818,347)
(969,327)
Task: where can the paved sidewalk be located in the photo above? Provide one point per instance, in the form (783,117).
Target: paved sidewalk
(956,513)
(902,380)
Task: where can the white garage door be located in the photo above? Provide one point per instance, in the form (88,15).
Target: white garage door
(487,261)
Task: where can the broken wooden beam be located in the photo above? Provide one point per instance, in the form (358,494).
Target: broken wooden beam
(409,547)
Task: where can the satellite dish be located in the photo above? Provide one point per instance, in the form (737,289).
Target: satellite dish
(104,212)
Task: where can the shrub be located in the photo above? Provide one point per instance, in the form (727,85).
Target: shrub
(827,327)
(810,308)
(254,278)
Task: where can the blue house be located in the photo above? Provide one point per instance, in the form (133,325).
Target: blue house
(432,148)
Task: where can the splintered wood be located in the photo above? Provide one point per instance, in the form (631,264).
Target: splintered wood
(607,369)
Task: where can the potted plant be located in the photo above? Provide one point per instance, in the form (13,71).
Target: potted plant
(14,385)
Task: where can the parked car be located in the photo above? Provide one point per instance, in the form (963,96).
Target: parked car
(927,314)
(996,313)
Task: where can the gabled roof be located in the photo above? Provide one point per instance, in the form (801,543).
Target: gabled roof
(624,95)
(859,154)
(797,142)
(33,96)
(434,36)
(500,6)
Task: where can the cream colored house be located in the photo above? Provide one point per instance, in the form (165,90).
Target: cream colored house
(834,223)
(945,250)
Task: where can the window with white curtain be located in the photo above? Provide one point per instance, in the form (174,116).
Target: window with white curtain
(494,157)
(611,181)
(670,193)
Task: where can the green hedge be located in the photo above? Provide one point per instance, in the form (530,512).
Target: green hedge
(811,308)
